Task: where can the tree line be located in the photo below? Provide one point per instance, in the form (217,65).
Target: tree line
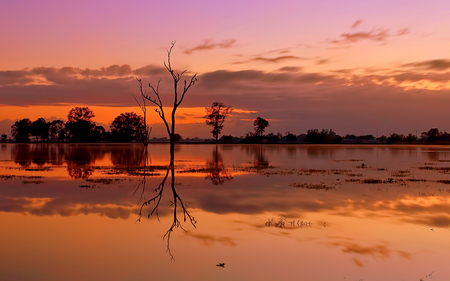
(80,127)
(129,126)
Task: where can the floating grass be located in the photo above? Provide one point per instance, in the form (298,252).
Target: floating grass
(320,186)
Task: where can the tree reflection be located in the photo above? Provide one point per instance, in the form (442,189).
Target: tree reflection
(80,159)
(176,202)
(217,172)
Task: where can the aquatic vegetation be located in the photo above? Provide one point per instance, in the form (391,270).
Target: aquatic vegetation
(10,177)
(319,186)
(349,160)
(400,173)
(284,223)
(371,181)
(33,182)
(104,180)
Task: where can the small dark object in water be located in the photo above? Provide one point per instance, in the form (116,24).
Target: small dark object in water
(363,165)
(222,264)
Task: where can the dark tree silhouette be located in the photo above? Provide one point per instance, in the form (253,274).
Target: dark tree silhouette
(433,134)
(260,125)
(39,129)
(57,131)
(215,117)
(98,134)
(80,124)
(128,126)
(21,130)
(4,138)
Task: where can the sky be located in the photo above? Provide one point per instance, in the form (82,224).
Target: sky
(357,67)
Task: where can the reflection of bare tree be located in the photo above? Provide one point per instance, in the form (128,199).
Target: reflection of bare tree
(216,169)
(176,202)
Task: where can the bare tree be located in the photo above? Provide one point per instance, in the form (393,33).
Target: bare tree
(156,100)
(178,99)
(215,117)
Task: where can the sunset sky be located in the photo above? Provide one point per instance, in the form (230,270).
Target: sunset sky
(361,67)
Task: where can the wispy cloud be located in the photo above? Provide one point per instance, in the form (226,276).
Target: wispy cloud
(376,34)
(277,59)
(440,64)
(322,61)
(356,23)
(209,45)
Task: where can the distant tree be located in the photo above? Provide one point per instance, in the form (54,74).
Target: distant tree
(215,117)
(39,129)
(57,131)
(177,137)
(410,138)
(325,136)
(433,134)
(227,138)
(4,138)
(290,137)
(395,138)
(80,123)
(21,130)
(128,126)
(260,125)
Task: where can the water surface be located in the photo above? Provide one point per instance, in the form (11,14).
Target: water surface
(268,212)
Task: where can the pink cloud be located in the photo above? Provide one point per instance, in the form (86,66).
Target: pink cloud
(209,45)
(356,23)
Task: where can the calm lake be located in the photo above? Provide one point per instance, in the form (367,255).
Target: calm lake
(226,212)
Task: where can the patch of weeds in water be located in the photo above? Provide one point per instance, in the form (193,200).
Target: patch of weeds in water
(430,164)
(33,182)
(443,160)
(352,180)
(445,190)
(425,194)
(11,177)
(284,223)
(349,160)
(382,169)
(89,186)
(371,181)
(354,175)
(104,181)
(308,172)
(133,170)
(416,180)
(438,169)
(39,169)
(444,181)
(400,173)
(320,186)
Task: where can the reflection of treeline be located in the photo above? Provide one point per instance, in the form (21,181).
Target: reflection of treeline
(80,127)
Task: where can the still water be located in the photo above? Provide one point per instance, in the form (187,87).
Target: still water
(226,212)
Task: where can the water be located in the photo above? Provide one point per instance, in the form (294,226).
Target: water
(268,212)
